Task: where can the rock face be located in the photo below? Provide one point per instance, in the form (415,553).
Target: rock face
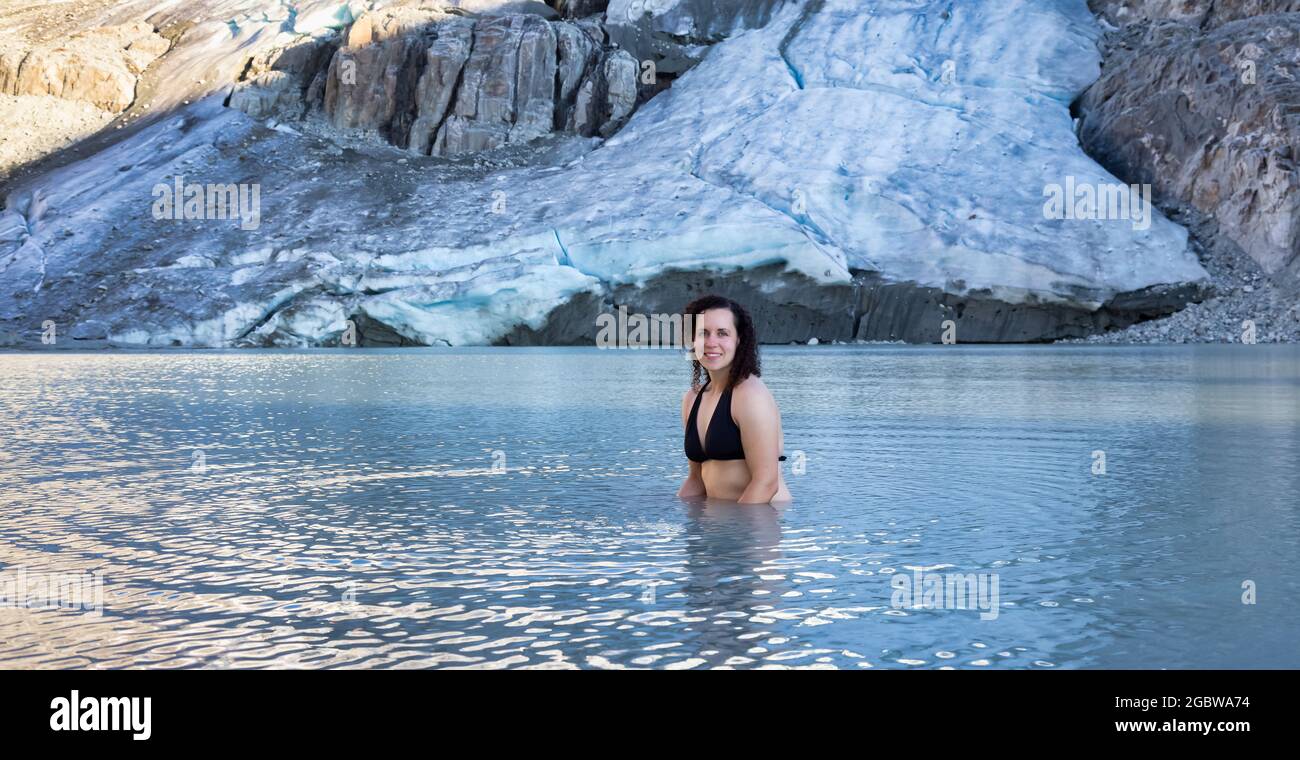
(850,169)
(578,8)
(1201,100)
(436,91)
(284,81)
(508,87)
(676,34)
(442,84)
(99,67)
(1199,13)
(789,307)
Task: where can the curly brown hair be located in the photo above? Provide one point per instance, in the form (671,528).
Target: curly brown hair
(746,362)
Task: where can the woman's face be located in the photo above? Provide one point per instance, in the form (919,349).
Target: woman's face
(715,339)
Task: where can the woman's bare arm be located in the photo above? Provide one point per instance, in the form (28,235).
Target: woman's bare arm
(693,486)
(759,420)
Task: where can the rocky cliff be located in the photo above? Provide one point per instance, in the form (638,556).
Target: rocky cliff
(442,83)
(1201,99)
(483,171)
(54,90)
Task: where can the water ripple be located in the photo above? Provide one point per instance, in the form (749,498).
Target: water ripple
(513,509)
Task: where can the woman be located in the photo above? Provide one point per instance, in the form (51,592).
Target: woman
(733,428)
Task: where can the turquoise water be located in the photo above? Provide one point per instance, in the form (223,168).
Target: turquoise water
(515,508)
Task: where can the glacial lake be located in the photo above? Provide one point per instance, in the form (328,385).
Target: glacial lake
(513,508)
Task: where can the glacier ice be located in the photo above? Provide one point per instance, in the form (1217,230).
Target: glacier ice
(907,139)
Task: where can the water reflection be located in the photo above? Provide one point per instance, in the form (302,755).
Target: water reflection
(733,554)
(490,509)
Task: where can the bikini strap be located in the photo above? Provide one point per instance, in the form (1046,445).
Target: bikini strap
(696,406)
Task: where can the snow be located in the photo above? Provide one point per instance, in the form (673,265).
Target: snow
(911,139)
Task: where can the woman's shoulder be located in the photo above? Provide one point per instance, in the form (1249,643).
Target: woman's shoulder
(751,388)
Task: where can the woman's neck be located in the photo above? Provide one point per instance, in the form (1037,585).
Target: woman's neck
(718,378)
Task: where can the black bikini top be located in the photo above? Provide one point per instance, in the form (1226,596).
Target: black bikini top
(722,439)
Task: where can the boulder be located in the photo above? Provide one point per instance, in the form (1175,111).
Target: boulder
(99,66)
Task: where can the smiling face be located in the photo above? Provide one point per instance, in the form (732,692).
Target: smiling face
(715,339)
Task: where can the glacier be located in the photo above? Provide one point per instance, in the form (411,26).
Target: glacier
(856,170)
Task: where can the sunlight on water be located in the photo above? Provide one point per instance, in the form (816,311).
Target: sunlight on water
(513,508)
